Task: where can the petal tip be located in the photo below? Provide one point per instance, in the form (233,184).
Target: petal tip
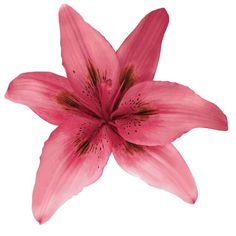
(222,121)
(40,218)
(225,123)
(64,6)
(40,221)
(39,211)
(193,197)
(193,200)
(65,9)
(162,12)
(6,95)
(9,91)
(12,87)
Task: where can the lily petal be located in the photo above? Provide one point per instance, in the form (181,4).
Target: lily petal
(91,63)
(73,157)
(141,49)
(41,92)
(162,115)
(160,166)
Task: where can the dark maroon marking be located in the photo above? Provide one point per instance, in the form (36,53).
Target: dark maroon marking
(127,78)
(143,112)
(67,100)
(70,102)
(146,112)
(82,147)
(133,148)
(93,74)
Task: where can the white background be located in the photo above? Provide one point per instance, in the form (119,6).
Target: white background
(198,51)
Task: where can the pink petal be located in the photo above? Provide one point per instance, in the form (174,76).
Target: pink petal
(90,62)
(73,157)
(160,166)
(156,113)
(142,47)
(41,92)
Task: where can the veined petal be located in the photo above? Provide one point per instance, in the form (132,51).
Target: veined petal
(43,92)
(90,62)
(73,157)
(155,113)
(160,166)
(141,49)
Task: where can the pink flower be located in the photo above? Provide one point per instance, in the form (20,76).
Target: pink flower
(109,103)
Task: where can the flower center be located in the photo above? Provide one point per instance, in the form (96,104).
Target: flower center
(95,93)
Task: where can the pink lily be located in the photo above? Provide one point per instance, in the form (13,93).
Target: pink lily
(109,103)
